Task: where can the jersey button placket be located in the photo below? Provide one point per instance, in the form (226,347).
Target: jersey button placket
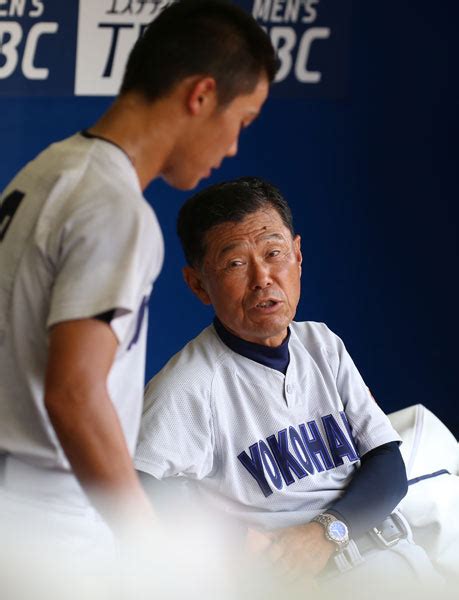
(289,385)
(289,389)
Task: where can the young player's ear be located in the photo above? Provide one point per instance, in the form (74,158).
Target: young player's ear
(203,95)
(194,281)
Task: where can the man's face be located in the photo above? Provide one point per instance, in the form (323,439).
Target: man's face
(211,137)
(251,276)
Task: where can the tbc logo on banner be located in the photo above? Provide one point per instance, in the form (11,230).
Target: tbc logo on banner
(37,46)
(311,40)
(107,30)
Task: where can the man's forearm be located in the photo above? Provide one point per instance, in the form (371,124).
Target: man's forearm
(374,491)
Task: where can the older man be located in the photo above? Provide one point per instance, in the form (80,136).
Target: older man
(270,417)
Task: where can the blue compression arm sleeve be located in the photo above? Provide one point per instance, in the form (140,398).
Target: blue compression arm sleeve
(374,491)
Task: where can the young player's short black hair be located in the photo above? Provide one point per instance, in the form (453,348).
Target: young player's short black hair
(208,37)
(230,201)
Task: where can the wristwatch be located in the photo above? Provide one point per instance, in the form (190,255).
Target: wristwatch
(335,530)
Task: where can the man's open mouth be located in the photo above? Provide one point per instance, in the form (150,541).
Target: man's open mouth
(266,304)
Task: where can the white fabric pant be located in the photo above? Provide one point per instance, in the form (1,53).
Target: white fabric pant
(404,570)
(53,551)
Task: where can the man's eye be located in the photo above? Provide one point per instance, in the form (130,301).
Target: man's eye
(233,264)
(273,253)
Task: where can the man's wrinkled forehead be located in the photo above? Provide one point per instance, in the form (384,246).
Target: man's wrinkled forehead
(263,237)
(259,227)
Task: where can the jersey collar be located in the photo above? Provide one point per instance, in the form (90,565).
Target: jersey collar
(276,358)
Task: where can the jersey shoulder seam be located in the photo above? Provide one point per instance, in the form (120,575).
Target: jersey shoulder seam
(322,344)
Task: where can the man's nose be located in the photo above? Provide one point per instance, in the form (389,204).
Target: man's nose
(260,275)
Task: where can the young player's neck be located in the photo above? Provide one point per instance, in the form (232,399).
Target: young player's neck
(144,130)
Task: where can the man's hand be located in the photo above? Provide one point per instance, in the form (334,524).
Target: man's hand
(300,551)
(76,397)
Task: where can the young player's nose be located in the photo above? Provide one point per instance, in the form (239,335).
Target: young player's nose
(232,150)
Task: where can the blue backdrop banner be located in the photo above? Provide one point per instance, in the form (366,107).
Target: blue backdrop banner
(79,47)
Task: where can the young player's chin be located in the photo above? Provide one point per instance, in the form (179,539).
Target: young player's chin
(184,181)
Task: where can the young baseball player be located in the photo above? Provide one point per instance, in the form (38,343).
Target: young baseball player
(267,418)
(80,249)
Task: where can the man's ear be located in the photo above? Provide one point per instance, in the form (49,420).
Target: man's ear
(203,95)
(194,281)
(297,249)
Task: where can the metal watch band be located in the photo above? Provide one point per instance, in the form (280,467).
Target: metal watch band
(326,519)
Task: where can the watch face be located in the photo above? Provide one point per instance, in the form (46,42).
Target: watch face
(337,531)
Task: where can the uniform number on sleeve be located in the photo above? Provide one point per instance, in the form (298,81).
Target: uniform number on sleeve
(8,209)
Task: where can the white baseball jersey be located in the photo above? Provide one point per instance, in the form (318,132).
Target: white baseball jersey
(271,449)
(77,239)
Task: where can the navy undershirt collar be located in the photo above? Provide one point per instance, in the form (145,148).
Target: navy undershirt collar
(275,358)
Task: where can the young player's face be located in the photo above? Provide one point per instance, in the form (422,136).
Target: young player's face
(251,276)
(213,137)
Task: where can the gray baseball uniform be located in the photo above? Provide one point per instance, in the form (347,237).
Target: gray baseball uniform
(272,450)
(77,239)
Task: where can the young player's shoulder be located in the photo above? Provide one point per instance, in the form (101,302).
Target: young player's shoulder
(88,167)
(90,185)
